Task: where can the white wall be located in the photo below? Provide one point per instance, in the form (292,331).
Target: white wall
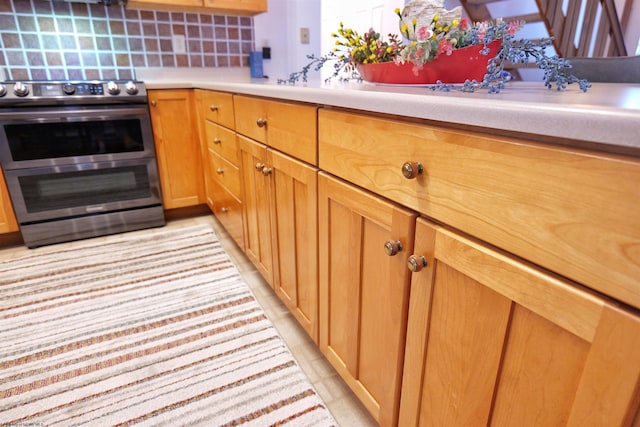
(279,29)
(360,15)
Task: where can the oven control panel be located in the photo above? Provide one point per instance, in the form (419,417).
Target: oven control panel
(72,92)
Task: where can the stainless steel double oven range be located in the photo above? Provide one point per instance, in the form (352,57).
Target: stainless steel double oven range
(79,159)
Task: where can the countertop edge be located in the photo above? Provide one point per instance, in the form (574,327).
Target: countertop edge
(524,108)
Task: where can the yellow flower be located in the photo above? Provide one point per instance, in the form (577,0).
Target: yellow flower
(389,50)
(435,18)
(455,23)
(397,10)
(414,21)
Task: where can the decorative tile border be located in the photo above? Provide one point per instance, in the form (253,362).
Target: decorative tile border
(43,40)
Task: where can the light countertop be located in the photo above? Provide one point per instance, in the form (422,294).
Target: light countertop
(608,115)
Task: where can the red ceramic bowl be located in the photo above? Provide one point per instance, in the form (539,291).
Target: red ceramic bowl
(463,64)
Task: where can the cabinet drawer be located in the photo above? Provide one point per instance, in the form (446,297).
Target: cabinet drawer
(228,209)
(225,172)
(250,110)
(541,203)
(218,107)
(222,141)
(290,127)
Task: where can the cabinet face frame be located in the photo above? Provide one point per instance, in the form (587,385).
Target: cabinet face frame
(553,349)
(364,292)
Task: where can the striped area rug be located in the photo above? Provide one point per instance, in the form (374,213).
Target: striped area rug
(150,328)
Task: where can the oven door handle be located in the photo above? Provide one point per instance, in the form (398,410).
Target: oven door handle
(65,115)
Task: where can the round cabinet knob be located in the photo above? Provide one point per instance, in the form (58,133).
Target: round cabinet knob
(416,263)
(411,170)
(224,210)
(259,166)
(3,90)
(261,122)
(267,171)
(213,107)
(20,89)
(131,88)
(68,89)
(154,103)
(219,171)
(392,247)
(217,140)
(112,88)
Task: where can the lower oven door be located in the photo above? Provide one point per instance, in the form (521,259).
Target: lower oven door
(75,191)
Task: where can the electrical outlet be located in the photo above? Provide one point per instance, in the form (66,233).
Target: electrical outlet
(304,35)
(179,45)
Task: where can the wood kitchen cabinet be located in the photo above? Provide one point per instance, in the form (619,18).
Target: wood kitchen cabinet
(8,222)
(364,242)
(175,132)
(492,340)
(566,209)
(278,155)
(221,161)
(229,7)
(281,226)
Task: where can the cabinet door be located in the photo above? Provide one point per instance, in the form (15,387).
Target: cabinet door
(8,222)
(295,217)
(238,6)
(258,244)
(364,293)
(493,341)
(175,133)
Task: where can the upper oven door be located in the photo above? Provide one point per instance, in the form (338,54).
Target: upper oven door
(52,136)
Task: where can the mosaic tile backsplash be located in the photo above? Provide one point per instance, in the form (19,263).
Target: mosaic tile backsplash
(44,40)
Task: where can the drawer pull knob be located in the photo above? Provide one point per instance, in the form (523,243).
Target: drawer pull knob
(219,171)
(392,247)
(416,263)
(259,166)
(261,122)
(224,210)
(267,171)
(213,108)
(217,140)
(154,103)
(411,170)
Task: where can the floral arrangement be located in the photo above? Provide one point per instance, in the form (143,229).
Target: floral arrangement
(424,43)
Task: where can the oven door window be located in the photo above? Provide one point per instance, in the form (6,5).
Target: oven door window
(91,190)
(36,141)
